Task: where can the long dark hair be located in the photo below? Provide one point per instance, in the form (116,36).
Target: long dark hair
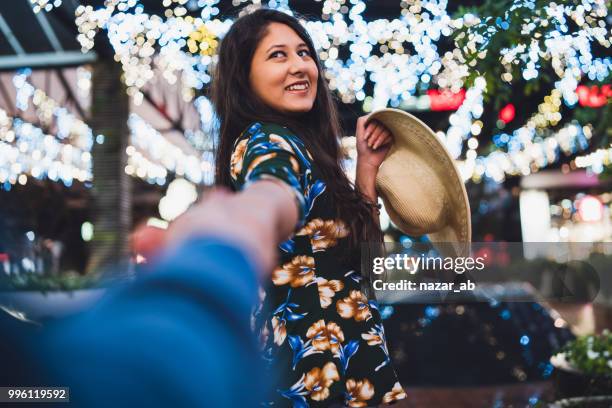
(237,106)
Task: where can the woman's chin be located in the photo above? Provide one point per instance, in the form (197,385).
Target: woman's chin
(298,109)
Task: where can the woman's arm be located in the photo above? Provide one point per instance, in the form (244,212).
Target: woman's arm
(365,181)
(373,143)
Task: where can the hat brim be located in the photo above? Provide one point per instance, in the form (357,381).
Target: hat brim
(411,134)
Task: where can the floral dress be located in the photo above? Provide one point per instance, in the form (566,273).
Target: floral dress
(322,339)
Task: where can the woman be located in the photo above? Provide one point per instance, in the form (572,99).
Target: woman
(322,337)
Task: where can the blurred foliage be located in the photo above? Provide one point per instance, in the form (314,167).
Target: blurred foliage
(502,27)
(67,281)
(591,354)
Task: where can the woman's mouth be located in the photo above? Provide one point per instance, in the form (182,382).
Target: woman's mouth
(298,87)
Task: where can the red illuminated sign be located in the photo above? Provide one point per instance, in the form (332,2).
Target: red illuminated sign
(507,113)
(445,100)
(594,96)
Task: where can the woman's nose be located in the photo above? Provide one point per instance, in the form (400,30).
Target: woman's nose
(297,64)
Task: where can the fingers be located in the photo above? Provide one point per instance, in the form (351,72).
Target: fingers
(147,241)
(361,122)
(370,131)
(374,135)
(382,140)
(377,135)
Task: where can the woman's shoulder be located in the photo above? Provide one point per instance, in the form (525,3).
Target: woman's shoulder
(267,130)
(270,135)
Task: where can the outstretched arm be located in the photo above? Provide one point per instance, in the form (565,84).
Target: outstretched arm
(258,218)
(180,336)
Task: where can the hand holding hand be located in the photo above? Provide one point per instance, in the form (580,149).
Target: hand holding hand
(225,215)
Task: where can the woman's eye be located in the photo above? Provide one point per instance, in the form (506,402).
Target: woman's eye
(301,53)
(276,53)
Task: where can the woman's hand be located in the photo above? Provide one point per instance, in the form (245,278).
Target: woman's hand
(257,219)
(373,143)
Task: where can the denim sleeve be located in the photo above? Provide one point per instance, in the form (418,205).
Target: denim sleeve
(177,337)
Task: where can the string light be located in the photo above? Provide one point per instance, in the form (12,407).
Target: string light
(83,81)
(462,121)
(202,41)
(46,5)
(596,161)
(524,155)
(544,36)
(25,150)
(398,56)
(548,112)
(136,35)
(151,156)
(142,41)
(50,114)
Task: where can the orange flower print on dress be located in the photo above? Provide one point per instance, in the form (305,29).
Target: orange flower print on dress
(237,158)
(324,234)
(280,330)
(373,338)
(283,144)
(318,380)
(325,337)
(299,272)
(355,306)
(396,394)
(358,392)
(327,290)
(260,159)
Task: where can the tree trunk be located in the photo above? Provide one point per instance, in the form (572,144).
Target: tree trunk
(111,185)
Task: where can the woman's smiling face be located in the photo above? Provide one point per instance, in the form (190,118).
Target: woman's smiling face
(283,74)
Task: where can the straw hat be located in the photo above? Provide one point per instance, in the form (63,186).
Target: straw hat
(420,185)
